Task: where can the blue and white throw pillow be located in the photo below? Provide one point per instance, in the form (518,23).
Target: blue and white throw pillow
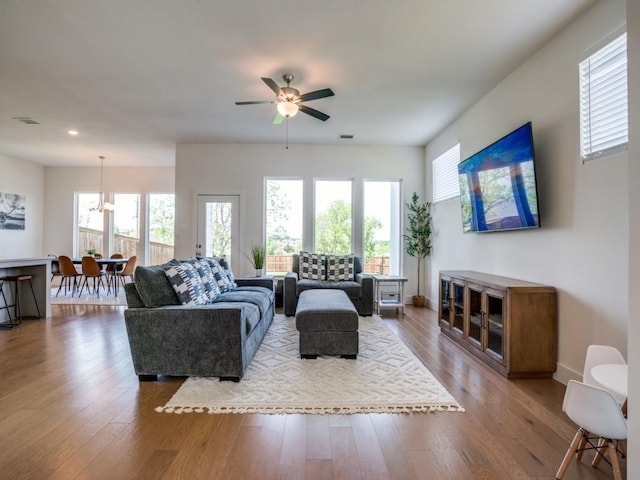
(312,266)
(228,272)
(340,267)
(185,280)
(219,274)
(208,279)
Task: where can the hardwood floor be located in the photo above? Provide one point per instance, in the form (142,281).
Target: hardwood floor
(71,407)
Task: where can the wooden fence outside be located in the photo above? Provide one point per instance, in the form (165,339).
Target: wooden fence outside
(127,246)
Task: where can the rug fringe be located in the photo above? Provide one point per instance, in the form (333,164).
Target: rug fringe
(314,410)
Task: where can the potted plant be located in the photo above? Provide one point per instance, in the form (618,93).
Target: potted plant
(418,237)
(257,256)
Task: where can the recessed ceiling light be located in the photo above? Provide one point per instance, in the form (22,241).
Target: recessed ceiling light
(73,132)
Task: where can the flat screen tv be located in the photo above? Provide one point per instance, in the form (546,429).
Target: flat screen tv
(498,185)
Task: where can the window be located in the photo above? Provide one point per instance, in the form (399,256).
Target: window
(161,227)
(603,100)
(445,175)
(126,224)
(283,223)
(333,217)
(382,238)
(90,225)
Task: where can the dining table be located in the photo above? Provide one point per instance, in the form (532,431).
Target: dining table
(115,262)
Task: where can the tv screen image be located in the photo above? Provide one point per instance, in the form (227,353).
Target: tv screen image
(498,185)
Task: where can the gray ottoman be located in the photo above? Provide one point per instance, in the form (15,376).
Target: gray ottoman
(328,324)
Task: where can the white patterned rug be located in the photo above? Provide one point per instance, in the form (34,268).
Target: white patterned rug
(88,298)
(385,378)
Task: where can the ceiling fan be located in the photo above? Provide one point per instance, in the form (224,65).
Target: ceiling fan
(289,101)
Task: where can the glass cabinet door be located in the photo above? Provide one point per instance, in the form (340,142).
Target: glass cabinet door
(495,326)
(458,306)
(475,316)
(445,301)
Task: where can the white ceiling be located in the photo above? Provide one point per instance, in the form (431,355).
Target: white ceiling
(135,77)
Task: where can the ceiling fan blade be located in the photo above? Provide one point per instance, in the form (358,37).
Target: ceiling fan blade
(272,85)
(313,112)
(254,103)
(278,119)
(325,92)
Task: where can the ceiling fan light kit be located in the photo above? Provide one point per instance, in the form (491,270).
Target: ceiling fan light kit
(289,100)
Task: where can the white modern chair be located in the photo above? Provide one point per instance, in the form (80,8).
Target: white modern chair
(599,355)
(598,416)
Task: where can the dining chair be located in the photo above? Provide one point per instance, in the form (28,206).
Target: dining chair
(68,272)
(91,269)
(128,269)
(600,355)
(598,416)
(111,270)
(55,266)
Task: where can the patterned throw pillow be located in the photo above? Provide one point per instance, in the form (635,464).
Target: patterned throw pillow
(312,266)
(185,280)
(226,267)
(340,268)
(208,279)
(224,284)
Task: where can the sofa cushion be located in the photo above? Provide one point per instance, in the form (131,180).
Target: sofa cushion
(153,285)
(351,288)
(312,266)
(185,280)
(259,296)
(340,267)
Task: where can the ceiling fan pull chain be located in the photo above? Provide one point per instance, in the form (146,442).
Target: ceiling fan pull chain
(287,146)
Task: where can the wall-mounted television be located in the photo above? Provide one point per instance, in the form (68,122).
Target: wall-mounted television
(498,185)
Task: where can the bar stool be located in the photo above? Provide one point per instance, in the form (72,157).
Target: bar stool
(6,306)
(17,304)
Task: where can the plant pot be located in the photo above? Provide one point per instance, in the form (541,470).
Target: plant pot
(418,300)
(258,272)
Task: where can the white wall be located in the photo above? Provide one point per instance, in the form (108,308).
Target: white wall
(23,178)
(61,184)
(633,44)
(226,169)
(582,247)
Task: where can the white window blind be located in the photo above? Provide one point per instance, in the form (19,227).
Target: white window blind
(603,100)
(445,175)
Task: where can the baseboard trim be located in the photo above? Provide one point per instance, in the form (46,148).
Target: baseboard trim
(563,374)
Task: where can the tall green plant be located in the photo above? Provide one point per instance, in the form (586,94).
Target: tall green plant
(257,256)
(418,236)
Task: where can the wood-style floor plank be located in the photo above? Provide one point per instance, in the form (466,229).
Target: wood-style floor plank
(71,407)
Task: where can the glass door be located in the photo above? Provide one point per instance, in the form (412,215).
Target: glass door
(219,227)
(474,334)
(458,307)
(445,302)
(495,325)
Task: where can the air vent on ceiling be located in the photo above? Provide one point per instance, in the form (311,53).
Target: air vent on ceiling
(346,137)
(26,120)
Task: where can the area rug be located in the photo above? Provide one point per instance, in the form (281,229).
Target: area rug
(88,298)
(386,377)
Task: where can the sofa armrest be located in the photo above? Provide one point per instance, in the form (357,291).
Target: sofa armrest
(366,299)
(290,295)
(266,282)
(181,340)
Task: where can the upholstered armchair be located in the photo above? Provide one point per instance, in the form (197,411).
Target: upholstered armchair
(315,271)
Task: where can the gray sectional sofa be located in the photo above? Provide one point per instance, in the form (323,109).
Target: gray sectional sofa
(316,271)
(213,339)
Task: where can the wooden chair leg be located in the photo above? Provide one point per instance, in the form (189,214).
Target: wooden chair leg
(567,457)
(613,456)
(580,447)
(600,449)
